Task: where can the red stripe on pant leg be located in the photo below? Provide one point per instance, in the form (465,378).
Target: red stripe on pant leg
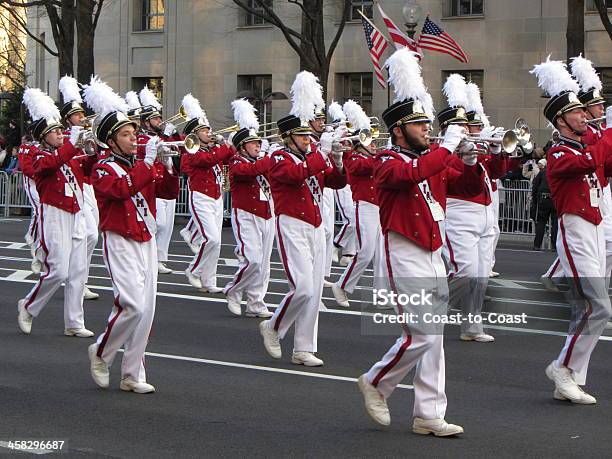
(205,239)
(452,255)
(388,367)
(287,300)
(554,268)
(345,221)
(43,245)
(241,272)
(354,260)
(111,323)
(587,313)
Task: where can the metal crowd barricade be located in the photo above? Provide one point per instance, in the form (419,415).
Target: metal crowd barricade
(182,203)
(4,183)
(514,201)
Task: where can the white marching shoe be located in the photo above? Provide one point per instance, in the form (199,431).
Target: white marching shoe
(375,403)
(308,359)
(89,295)
(186,235)
(335,254)
(494,274)
(438,427)
(270,339)
(129,385)
(211,289)
(480,338)
(340,296)
(163,269)
(36,266)
(24,318)
(565,386)
(78,332)
(234,307)
(98,367)
(193,280)
(548,284)
(327,284)
(346,260)
(265,314)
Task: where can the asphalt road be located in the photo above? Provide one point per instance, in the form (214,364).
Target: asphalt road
(220,395)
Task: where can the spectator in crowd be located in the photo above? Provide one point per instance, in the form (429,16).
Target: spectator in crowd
(13,164)
(542,208)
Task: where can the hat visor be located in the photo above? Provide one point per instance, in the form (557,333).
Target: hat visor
(118,126)
(302,130)
(50,127)
(596,101)
(414,118)
(74,110)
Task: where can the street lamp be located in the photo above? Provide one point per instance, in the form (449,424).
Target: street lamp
(412,12)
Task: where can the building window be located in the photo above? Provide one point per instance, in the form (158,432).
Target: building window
(256,88)
(248,19)
(474,76)
(356,86)
(155,84)
(366,7)
(151,15)
(591,7)
(605,73)
(464,8)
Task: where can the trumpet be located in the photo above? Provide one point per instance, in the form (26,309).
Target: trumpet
(596,121)
(136,116)
(175,118)
(191,143)
(508,141)
(365,136)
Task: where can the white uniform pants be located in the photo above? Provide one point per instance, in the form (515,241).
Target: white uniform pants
(192,228)
(581,248)
(302,250)
(208,214)
(165,225)
(406,262)
(467,251)
(92,220)
(32,235)
(496,230)
(64,249)
(132,267)
(255,238)
(328,216)
(346,237)
(367,223)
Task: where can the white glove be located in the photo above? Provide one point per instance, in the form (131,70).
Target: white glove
(219,139)
(469,159)
(167,162)
(274,147)
(169,129)
(495,148)
(499,132)
(336,156)
(341,131)
(151,150)
(75,134)
(465,148)
(265,145)
(487,131)
(609,117)
(453,137)
(327,142)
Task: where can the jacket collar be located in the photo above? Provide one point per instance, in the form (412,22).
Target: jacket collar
(125,160)
(571,143)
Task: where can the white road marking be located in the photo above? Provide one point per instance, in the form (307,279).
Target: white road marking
(19,274)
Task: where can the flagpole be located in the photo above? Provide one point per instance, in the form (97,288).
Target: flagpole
(389,42)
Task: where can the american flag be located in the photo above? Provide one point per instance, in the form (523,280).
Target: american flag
(376,45)
(399,38)
(435,39)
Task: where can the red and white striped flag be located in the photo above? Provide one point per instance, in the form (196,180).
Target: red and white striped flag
(399,38)
(435,39)
(377,44)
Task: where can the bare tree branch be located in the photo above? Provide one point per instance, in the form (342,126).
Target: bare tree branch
(29,4)
(304,10)
(100,4)
(23,26)
(603,14)
(346,12)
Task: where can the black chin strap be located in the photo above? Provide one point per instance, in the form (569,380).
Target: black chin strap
(296,145)
(571,128)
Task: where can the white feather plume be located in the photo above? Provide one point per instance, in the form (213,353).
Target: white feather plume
(474,102)
(192,107)
(553,77)
(101,98)
(356,116)
(335,111)
(69,87)
(584,72)
(455,91)
(40,105)
(405,76)
(147,98)
(132,100)
(306,96)
(244,114)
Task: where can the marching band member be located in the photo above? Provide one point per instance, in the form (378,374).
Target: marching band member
(26,158)
(126,190)
(205,199)
(411,186)
(573,173)
(345,238)
(73,114)
(152,125)
(470,219)
(360,175)
(252,213)
(297,179)
(59,181)
(317,127)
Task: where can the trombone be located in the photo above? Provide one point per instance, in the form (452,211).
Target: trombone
(191,143)
(232,128)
